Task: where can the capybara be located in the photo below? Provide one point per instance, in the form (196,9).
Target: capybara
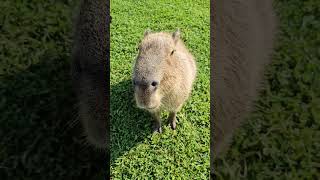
(242,40)
(163,75)
(90,69)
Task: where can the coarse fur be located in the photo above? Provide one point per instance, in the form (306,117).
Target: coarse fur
(90,70)
(163,75)
(243,35)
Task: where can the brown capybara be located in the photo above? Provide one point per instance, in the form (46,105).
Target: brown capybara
(243,35)
(163,75)
(89,69)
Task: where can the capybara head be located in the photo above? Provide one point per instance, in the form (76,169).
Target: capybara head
(155,51)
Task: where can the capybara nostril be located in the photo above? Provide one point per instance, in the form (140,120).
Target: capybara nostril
(134,83)
(154,83)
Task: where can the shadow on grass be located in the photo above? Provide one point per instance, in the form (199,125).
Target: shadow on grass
(129,125)
(36,142)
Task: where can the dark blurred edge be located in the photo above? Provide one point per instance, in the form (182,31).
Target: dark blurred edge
(213,45)
(102,163)
(109,19)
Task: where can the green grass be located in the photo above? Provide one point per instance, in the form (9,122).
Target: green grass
(137,153)
(36,101)
(281,139)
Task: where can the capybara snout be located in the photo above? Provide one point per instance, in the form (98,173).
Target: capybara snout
(146,94)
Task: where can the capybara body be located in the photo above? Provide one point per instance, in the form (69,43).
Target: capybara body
(89,69)
(163,75)
(243,34)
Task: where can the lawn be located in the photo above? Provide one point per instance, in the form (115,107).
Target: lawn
(36,101)
(281,139)
(136,153)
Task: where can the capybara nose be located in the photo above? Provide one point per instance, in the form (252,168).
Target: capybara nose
(154,83)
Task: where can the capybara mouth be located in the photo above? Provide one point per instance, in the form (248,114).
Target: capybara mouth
(152,108)
(148,108)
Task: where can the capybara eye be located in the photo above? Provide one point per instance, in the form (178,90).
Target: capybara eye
(154,83)
(172,52)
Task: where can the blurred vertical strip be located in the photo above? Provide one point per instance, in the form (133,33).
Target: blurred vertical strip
(242,38)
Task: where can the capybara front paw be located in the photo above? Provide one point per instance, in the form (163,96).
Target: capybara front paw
(157,129)
(173,125)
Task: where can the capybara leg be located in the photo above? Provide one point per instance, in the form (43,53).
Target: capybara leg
(156,122)
(172,120)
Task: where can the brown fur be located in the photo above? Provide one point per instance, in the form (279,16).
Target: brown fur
(243,33)
(89,69)
(164,60)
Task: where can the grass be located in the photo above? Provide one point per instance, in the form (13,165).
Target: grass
(281,139)
(36,101)
(137,153)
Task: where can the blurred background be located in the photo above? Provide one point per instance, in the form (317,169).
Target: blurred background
(39,134)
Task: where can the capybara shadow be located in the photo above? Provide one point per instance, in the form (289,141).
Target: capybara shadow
(129,124)
(242,42)
(38,134)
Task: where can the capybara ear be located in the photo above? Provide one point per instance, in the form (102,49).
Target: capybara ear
(147,31)
(176,35)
